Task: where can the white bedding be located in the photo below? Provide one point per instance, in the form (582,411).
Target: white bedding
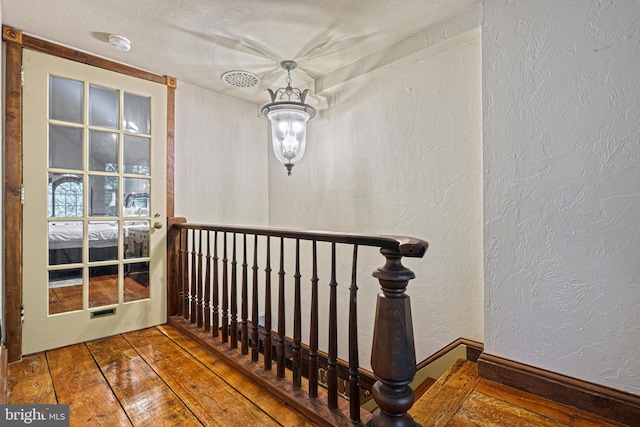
(101,234)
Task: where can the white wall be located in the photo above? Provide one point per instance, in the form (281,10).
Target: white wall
(221,159)
(401,154)
(562,186)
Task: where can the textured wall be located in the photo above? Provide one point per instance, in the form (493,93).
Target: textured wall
(562,186)
(401,154)
(221,159)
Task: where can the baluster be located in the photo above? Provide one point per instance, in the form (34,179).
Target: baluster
(225,293)
(332,360)
(280,354)
(234,297)
(200,300)
(255,345)
(354,362)
(216,302)
(194,278)
(184,272)
(297,323)
(207,288)
(244,331)
(313,335)
(267,309)
(394,365)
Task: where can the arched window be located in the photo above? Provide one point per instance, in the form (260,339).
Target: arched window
(65,196)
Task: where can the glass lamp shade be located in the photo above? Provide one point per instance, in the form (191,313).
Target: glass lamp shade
(288,130)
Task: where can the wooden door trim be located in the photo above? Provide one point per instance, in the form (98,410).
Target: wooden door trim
(16,41)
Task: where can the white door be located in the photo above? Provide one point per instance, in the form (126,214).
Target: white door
(94,202)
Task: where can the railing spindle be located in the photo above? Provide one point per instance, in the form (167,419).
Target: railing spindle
(207,288)
(332,360)
(255,345)
(244,331)
(200,300)
(313,334)
(297,323)
(225,293)
(280,349)
(234,297)
(194,278)
(267,309)
(354,362)
(216,300)
(183,273)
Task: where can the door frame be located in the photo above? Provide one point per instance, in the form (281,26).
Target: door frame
(15,42)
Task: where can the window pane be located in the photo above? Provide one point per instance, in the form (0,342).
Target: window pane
(137,113)
(103,285)
(103,195)
(103,151)
(136,155)
(65,290)
(65,147)
(103,240)
(136,239)
(103,106)
(136,281)
(65,242)
(65,195)
(136,197)
(65,99)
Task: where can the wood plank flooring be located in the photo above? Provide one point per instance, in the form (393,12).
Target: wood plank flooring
(160,377)
(460,398)
(153,377)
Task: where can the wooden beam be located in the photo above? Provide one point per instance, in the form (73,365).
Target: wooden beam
(12,156)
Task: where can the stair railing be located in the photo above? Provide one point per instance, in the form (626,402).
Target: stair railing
(206,290)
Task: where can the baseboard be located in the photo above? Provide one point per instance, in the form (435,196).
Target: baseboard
(4,375)
(606,402)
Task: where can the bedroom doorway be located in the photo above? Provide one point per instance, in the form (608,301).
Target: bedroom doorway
(94,217)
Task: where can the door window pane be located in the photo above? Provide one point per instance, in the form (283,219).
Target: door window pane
(137,117)
(103,151)
(136,281)
(103,107)
(103,285)
(136,155)
(65,195)
(103,195)
(136,197)
(103,240)
(65,147)
(65,99)
(65,242)
(136,239)
(65,290)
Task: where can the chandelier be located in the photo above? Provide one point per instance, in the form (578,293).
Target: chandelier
(288,116)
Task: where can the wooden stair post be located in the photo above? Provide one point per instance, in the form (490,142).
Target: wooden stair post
(393,356)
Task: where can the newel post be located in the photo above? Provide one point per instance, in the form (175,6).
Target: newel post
(393,356)
(174,243)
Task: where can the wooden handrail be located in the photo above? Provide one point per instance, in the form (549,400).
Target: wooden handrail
(199,298)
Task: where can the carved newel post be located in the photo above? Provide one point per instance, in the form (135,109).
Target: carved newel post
(393,355)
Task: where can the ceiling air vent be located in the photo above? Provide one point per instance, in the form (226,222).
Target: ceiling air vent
(240,78)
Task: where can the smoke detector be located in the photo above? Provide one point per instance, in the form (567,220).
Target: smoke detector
(240,78)
(119,43)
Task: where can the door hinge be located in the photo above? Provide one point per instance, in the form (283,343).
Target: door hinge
(22,315)
(22,194)
(22,75)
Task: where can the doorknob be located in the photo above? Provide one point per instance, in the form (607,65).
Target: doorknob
(157,225)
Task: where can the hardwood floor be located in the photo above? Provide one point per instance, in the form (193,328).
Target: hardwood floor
(461,398)
(153,377)
(159,377)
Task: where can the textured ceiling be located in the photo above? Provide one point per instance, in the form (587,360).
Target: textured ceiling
(198,40)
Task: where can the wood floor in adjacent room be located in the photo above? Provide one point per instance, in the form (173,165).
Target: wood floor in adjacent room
(159,377)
